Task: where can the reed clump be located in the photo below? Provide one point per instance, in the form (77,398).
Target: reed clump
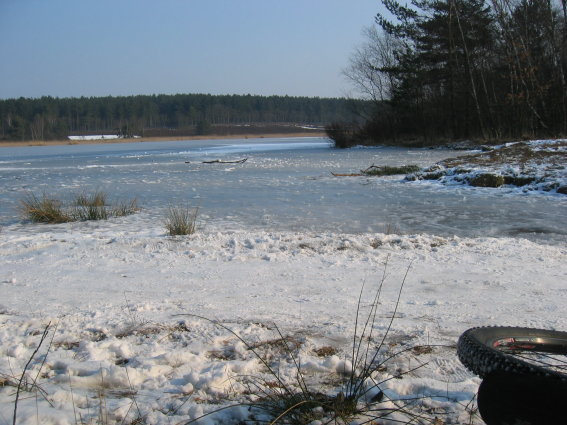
(83,207)
(44,209)
(181,221)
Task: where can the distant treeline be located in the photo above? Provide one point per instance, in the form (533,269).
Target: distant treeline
(48,118)
(446,70)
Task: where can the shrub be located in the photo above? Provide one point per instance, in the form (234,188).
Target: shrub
(343,135)
(519,180)
(433,176)
(181,221)
(487,180)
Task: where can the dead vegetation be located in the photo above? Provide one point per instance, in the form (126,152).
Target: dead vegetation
(517,154)
(381,171)
(530,165)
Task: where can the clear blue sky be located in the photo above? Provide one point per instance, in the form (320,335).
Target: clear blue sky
(72,48)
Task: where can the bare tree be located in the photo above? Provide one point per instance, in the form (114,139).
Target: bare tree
(369,65)
(469,67)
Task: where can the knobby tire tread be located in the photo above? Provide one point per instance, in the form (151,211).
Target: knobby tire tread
(482,359)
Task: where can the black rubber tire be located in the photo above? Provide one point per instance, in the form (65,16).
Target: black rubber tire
(479,349)
(506,398)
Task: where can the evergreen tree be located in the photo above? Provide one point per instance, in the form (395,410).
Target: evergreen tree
(180,115)
(466,69)
(445,43)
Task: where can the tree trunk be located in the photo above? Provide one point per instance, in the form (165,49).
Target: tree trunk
(469,70)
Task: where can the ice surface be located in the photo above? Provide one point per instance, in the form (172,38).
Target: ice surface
(284,185)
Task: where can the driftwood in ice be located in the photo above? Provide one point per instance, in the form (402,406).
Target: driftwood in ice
(346,174)
(220,161)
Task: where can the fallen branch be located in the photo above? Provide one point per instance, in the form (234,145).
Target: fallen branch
(220,161)
(346,174)
(382,170)
(387,170)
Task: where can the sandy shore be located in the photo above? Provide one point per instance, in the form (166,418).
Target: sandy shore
(160,139)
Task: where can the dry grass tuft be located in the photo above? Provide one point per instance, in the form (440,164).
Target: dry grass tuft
(43,209)
(124,208)
(181,221)
(97,199)
(84,207)
(359,400)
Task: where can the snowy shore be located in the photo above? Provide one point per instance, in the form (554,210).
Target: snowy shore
(538,165)
(123,342)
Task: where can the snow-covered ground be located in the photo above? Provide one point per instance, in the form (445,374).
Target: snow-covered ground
(123,342)
(539,165)
(126,310)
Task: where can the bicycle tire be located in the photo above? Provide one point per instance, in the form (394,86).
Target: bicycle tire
(485,350)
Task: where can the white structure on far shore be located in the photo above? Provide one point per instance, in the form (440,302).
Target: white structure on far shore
(95,137)
(100,137)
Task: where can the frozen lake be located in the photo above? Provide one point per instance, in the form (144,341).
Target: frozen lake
(285,185)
